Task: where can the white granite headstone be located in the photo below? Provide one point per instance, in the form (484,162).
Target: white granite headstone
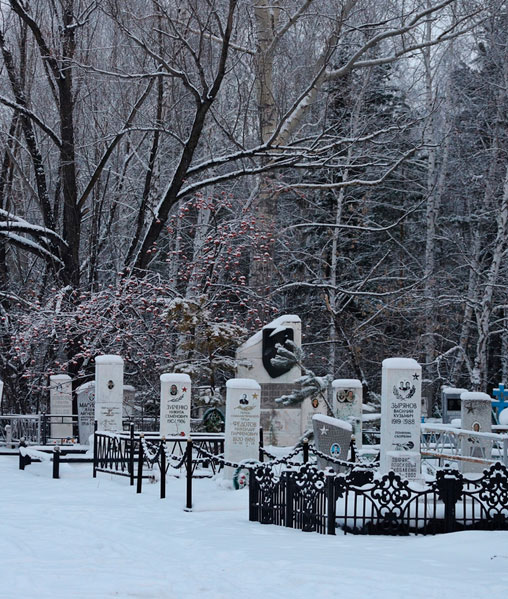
(60,404)
(86,411)
(400,417)
(476,416)
(348,404)
(175,405)
(108,392)
(243,400)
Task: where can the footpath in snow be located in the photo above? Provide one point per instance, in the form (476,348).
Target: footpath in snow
(85,538)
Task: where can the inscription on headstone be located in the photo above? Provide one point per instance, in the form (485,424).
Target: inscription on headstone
(60,404)
(108,392)
(348,404)
(476,416)
(175,405)
(243,400)
(86,411)
(400,416)
(311,407)
(332,437)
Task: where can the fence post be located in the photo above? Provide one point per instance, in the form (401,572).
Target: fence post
(188,504)
(56,462)
(131,456)
(8,436)
(253,496)
(140,464)
(44,420)
(286,480)
(95,459)
(305,450)
(261,445)
(162,450)
(24,460)
(331,504)
(353,449)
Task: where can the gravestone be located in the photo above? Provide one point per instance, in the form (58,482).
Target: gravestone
(400,417)
(175,405)
(108,392)
(241,440)
(310,407)
(280,426)
(86,411)
(332,436)
(60,404)
(450,403)
(476,417)
(348,404)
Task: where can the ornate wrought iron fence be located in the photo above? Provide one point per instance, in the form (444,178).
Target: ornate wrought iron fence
(361,502)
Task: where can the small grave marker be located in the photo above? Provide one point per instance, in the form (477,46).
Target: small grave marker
(60,404)
(175,405)
(108,392)
(332,437)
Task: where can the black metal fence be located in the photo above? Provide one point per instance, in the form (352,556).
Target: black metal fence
(361,502)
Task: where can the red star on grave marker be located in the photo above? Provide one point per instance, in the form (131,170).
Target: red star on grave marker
(184,389)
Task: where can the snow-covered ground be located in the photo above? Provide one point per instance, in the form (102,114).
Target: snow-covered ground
(80,537)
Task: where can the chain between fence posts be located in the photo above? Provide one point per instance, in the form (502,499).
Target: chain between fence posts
(305,450)
(188,504)
(163,467)
(261,444)
(140,464)
(131,455)
(56,462)
(95,458)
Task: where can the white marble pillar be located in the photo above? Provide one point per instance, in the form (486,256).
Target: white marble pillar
(108,392)
(243,411)
(476,416)
(348,404)
(175,411)
(60,404)
(401,392)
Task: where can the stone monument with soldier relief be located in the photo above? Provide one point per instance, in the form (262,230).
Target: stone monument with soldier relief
(400,417)
(282,425)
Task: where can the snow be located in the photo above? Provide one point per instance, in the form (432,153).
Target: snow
(332,421)
(503,417)
(454,390)
(355,383)
(400,363)
(108,359)
(242,384)
(475,396)
(91,538)
(175,378)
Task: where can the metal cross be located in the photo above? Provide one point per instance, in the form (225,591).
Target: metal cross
(501,394)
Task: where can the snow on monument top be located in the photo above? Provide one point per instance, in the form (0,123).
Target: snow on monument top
(278,324)
(475,396)
(175,377)
(456,390)
(108,359)
(242,384)
(60,377)
(401,363)
(347,383)
(332,421)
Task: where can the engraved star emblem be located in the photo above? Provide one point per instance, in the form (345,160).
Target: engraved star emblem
(470,409)
(416,376)
(254,396)
(323,430)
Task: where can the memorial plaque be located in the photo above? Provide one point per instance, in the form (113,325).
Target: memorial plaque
(86,411)
(108,392)
(332,436)
(450,403)
(175,405)
(310,408)
(476,416)
(243,400)
(279,426)
(60,404)
(400,414)
(348,404)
